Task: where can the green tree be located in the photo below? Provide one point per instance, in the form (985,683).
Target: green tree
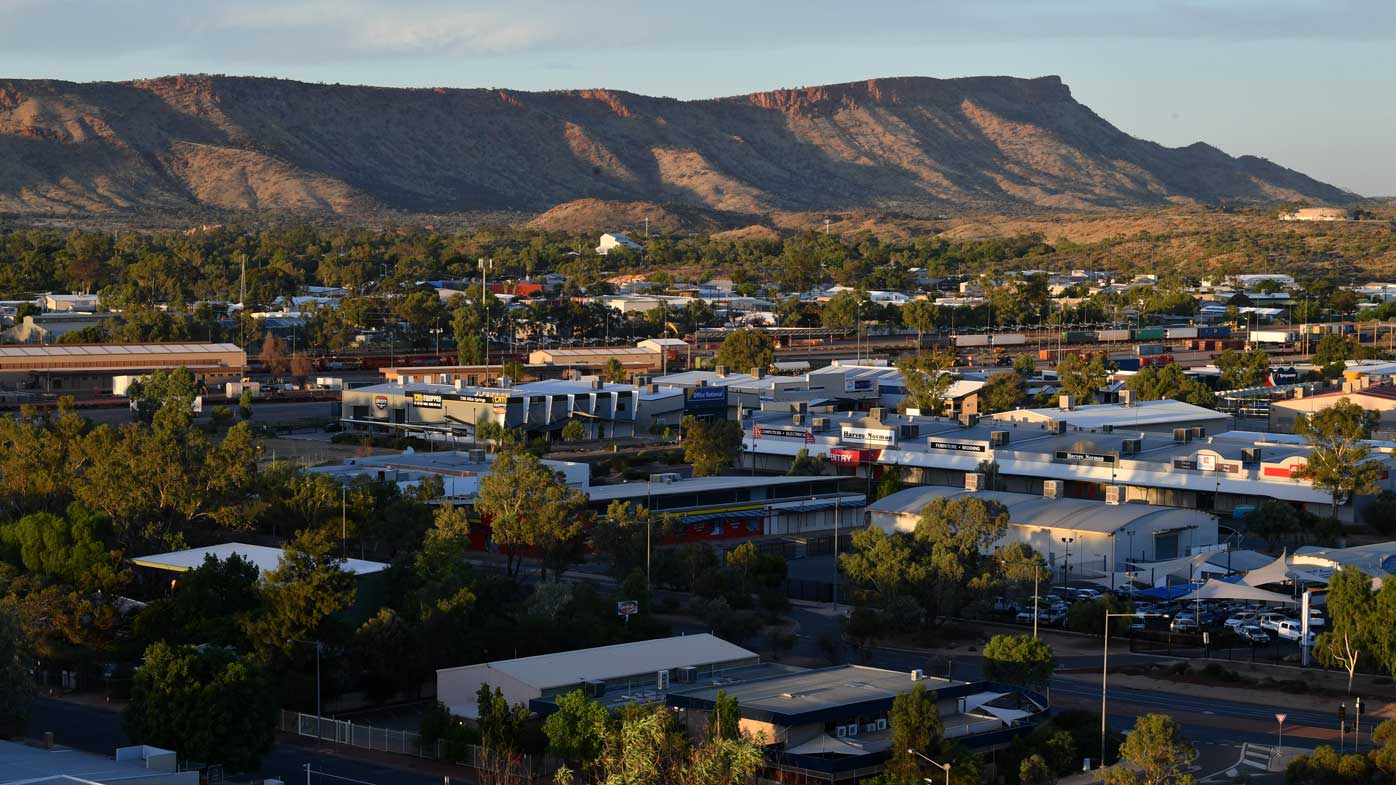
(926,377)
(709,447)
(307,588)
(1089,616)
(746,349)
(1019,659)
(953,535)
(615,372)
(725,721)
(1273,521)
(883,561)
(1034,770)
(175,388)
(245,403)
(574,431)
(915,722)
(920,315)
(1339,461)
(1243,369)
(17,688)
(1154,753)
(1352,614)
(386,652)
(71,549)
(468,328)
(805,464)
(841,311)
(210,706)
(577,730)
(1169,382)
(528,505)
(1001,392)
(1081,377)
(624,535)
(211,604)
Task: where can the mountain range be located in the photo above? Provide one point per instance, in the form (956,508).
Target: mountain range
(915,145)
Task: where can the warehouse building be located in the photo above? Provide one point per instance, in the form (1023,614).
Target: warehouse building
(80,367)
(1148,416)
(643,669)
(1079,538)
(47,328)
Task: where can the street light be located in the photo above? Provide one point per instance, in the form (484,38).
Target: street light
(318,647)
(945,766)
(1066,566)
(1105,669)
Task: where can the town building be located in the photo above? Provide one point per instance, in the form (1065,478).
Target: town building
(1080,538)
(1319,214)
(51,764)
(93,367)
(1379,398)
(652,356)
(832,724)
(77,303)
(642,669)
(1149,416)
(452,412)
(47,328)
(613,240)
(468,375)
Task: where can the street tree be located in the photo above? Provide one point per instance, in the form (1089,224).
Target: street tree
(176,388)
(1081,377)
(927,377)
(209,705)
(842,311)
(1352,617)
(615,372)
(1019,659)
(1273,521)
(746,349)
(528,505)
(307,588)
(886,562)
(577,730)
(17,687)
(1243,369)
(724,722)
(624,534)
(274,356)
(920,315)
(1001,392)
(71,548)
(709,447)
(1169,382)
(574,431)
(1034,770)
(1339,461)
(916,725)
(388,654)
(1154,753)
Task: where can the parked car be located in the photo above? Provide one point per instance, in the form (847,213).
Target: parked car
(1085,595)
(1184,624)
(1271,621)
(1292,631)
(1240,620)
(1253,634)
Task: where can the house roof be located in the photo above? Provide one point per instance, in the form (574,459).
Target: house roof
(266,559)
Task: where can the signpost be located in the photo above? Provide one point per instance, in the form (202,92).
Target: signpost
(627,608)
(1281,719)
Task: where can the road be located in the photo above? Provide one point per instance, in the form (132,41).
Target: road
(98,730)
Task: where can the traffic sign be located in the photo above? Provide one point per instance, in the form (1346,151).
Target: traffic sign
(627,608)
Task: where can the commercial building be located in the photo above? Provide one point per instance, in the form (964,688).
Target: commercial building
(643,669)
(832,724)
(1379,398)
(57,765)
(47,328)
(651,356)
(89,367)
(1319,214)
(1079,538)
(453,412)
(1227,473)
(1149,416)
(613,240)
(460,471)
(80,303)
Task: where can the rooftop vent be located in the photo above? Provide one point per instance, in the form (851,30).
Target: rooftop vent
(1066,402)
(1126,397)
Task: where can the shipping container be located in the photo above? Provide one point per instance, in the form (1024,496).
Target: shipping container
(1127,363)
(971,340)
(1177,333)
(1113,335)
(234,389)
(1146,349)
(1219,331)
(1156,360)
(1150,334)
(1079,337)
(1272,336)
(1009,339)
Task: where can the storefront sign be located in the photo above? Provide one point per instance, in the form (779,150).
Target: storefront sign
(426,400)
(877,437)
(932,444)
(1207,463)
(763,432)
(857,385)
(708,395)
(380,402)
(495,398)
(1102,458)
(845,457)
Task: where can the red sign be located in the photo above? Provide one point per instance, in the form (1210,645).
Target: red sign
(1282,471)
(844,457)
(380,402)
(756,431)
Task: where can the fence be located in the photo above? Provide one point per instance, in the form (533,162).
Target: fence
(406,742)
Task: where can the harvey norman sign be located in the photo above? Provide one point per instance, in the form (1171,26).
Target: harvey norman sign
(1100,458)
(872,437)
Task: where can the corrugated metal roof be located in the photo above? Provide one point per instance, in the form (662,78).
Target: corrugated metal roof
(1030,510)
(621,660)
(99,349)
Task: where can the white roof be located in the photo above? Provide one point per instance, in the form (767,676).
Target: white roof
(108,349)
(267,559)
(1140,413)
(1081,515)
(621,660)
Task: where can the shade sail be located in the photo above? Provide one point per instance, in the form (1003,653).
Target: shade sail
(1276,571)
(1221,590)
(828,745)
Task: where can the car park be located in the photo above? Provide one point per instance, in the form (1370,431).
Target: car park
(1239,620)
(1184,624)
(1292,631)
(1271,621)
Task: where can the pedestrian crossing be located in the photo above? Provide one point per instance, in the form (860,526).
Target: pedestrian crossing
(1256,756)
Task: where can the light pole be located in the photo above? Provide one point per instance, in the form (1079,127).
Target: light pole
(1105,669)
(318,647)
(1066,566)
(945,766)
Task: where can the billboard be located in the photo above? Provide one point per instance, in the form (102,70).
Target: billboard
(873,437)
(426,400)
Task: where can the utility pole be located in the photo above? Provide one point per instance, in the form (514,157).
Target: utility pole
(485,312)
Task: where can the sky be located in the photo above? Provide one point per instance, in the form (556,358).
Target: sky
(1308,84)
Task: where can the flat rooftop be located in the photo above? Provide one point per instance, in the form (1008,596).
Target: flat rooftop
(22,763)
(1025,509)
(629,490)
(620,660)
(265,558)
(819,689)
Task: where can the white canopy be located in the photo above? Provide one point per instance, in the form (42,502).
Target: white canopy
(1276,571)
(1221,590)
(1160,570)
(1007,715)
(978,699)
(825,744)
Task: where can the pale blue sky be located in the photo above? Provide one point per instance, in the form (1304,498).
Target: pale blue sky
(1306,83)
